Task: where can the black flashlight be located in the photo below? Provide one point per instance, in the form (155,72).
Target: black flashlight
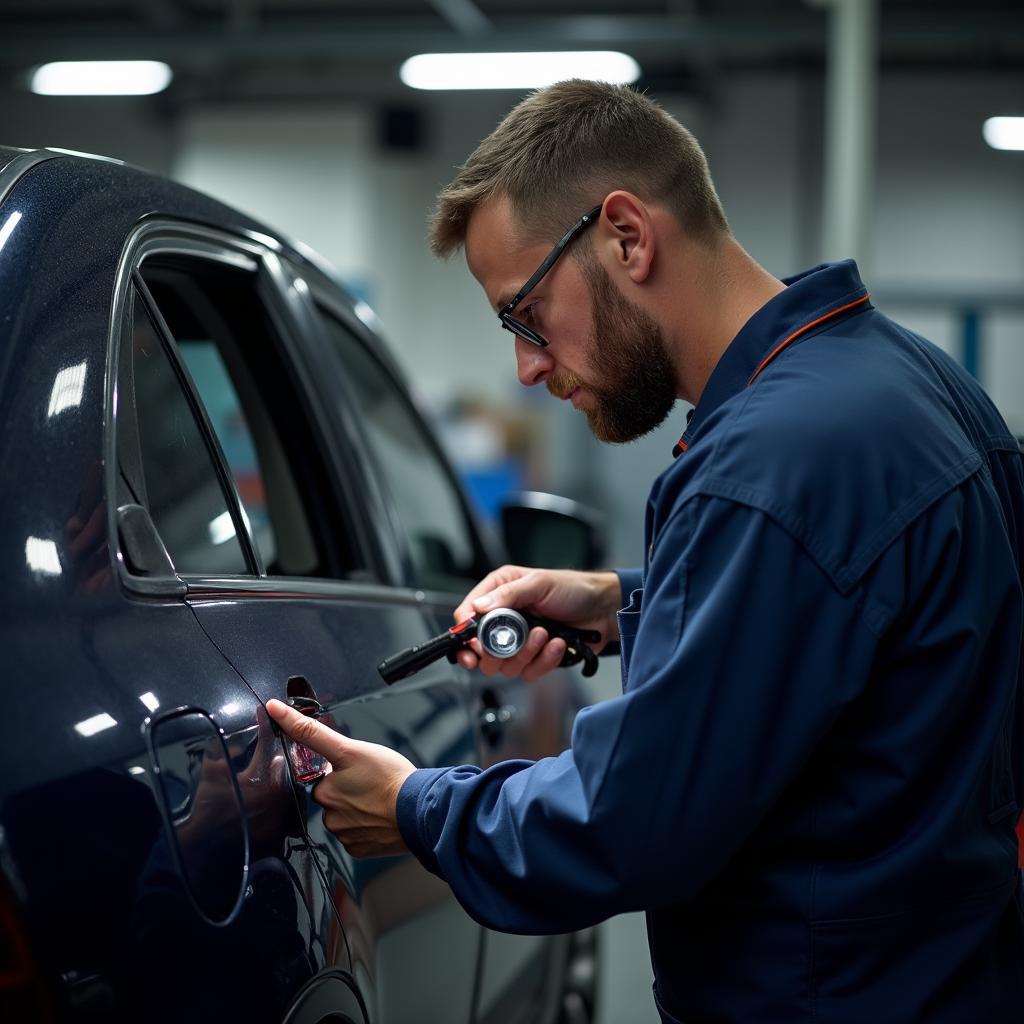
(502,633)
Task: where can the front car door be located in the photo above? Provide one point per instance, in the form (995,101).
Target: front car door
(315,608)
(521,976)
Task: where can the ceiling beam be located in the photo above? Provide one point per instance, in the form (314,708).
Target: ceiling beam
(162,14)
(463,16)
(341,38)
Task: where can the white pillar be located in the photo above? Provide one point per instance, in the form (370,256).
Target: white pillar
(850,125)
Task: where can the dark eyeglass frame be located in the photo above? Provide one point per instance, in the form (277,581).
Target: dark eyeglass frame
(517,327)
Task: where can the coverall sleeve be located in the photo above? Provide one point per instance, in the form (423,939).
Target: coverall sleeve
(744,656)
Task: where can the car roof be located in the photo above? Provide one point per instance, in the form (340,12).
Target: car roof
(73,213)
(16,161)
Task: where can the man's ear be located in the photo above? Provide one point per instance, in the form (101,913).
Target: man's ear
(630,232)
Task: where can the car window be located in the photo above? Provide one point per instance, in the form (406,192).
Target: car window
(228,342)
(213,382)
(426,498)
(180,485)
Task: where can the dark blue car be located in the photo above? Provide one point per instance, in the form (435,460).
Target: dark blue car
(216,490)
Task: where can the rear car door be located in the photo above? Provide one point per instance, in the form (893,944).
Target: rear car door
(315,607)
(241,881)
(155,879)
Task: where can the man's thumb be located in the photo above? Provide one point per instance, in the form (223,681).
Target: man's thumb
(307,731)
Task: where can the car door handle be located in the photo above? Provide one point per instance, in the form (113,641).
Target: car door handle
(307,765)
(494,720)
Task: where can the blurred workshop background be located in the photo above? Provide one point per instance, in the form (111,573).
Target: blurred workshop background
(880,129)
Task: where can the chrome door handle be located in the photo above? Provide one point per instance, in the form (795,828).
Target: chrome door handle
(307,765)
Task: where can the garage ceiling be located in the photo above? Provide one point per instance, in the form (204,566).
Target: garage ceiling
(275,49)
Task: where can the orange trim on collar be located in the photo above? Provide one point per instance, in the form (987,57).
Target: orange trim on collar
(806,327)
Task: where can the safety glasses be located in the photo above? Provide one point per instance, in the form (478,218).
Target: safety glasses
(517,327)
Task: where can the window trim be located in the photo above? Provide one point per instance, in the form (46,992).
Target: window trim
(483,558)
(290,312)
(285,294)
(213,446)
(119,370)
(160,236)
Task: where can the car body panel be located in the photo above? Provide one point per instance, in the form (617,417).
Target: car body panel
(86,642)
(393,905)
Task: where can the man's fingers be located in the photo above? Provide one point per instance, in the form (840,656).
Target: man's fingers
(516,593)
(538,657)
(307,731)
(535,642)
(546,661)
(495,586)
(467,658)
(493,579)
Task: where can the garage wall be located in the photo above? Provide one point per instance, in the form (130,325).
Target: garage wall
(950,216)
(126,128)
(305,172)
(947,218)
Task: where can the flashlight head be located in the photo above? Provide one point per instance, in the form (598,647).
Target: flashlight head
(502,632)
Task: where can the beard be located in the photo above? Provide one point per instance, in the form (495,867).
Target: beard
(632,378)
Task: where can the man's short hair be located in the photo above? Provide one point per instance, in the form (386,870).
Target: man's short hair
(564,148)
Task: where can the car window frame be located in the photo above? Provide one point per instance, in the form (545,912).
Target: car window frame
(285,294)
(483,556)
(258,254)
(129,288)
(222,468)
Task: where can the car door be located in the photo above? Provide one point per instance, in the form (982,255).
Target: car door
(521,975)
(228,900)
(149,835)
(315,609)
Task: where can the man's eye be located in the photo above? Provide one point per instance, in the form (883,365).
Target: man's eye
(527,314)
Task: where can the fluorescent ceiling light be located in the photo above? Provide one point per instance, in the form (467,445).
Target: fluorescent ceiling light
(1004,132)
(101,78)
(515,70)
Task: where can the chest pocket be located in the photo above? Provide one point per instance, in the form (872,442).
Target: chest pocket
(629,623)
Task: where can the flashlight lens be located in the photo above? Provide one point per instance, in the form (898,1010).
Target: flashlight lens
(503,639)
(502,633)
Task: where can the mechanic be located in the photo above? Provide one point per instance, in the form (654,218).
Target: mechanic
(811,780)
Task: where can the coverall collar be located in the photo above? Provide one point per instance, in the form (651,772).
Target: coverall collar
(811,302)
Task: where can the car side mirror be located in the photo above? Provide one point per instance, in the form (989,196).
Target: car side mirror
(548,531)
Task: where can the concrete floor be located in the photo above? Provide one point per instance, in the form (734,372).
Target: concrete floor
(624,975)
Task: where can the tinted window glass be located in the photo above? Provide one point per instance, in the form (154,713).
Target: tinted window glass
(426,499)
(226,339)
(220,399)
(183,492)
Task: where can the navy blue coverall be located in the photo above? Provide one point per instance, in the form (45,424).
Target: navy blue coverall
(811,780)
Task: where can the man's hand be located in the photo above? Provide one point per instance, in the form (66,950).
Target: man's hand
(360,793)
(586,600)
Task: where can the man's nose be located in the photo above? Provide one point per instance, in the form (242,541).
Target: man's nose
(533,363)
